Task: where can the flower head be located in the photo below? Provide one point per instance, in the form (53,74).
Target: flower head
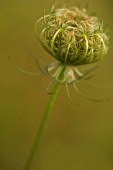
(75,39)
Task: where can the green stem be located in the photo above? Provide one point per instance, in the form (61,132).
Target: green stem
(42,127)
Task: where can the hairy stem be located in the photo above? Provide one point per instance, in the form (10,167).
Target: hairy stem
(42,127)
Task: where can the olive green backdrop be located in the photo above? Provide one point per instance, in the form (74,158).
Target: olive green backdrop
(76,138)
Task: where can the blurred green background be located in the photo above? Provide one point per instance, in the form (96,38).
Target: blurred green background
(76,138)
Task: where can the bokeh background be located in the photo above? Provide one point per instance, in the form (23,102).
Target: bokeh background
(76,138)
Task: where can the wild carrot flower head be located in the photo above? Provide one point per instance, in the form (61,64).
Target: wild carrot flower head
(75,39)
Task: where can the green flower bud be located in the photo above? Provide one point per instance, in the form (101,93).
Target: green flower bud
(77,41)
(73,37)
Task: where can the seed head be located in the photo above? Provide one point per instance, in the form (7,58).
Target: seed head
(73,37)
(77,41)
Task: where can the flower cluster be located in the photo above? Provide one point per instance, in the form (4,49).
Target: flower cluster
(75,39)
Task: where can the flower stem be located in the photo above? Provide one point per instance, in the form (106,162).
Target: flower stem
(42,127)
